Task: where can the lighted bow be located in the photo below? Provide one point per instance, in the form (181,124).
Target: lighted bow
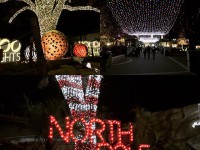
(48,11)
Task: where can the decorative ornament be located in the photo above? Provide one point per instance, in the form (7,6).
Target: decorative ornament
(34,53)
(54,44)
(80,50)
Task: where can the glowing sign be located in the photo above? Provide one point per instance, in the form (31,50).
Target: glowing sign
(197,123)
(11,50)
(90,132)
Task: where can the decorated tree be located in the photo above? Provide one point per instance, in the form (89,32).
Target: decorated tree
(48,11)
(81,94)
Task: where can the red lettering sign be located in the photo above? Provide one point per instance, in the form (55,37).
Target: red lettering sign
(91,131)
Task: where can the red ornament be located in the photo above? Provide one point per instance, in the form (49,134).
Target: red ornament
(54,44)
(80,50)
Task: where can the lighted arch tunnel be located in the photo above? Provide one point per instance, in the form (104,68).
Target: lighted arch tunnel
(146,17)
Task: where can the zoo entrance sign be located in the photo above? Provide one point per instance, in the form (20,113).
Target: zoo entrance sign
(115,133)
(11,50)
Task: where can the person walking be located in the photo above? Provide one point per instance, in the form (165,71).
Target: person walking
(104,57)
(148,51)
(137,52)
(154,52)
(145,52)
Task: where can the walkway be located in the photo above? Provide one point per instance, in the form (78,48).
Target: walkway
(162,65)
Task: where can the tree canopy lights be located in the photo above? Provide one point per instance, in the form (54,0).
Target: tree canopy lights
(145,17)
(48,11)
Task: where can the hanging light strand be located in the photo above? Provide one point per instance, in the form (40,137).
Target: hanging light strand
(145,17)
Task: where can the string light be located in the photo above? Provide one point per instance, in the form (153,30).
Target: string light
(99,145)
(149,39)
(120,145)
(119,132)
(48,12)
(89,133)
(54,122)
(143,146)
(97,132)
(145,17)
(86,130)
(81,104)
(197,123)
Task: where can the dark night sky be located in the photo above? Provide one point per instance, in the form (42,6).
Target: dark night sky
(154,93)
(118,93)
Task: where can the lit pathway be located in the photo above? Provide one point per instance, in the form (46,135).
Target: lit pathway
(139,66)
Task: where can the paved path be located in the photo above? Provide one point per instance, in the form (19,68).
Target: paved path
(139,66)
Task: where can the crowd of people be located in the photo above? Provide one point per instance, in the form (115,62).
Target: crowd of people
(147,51)
(111,51)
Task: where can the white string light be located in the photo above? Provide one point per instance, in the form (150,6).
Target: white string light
(145,17)
(197,123)
(48,12)
(149,39)
(81,104)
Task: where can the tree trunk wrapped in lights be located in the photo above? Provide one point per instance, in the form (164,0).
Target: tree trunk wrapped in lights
(48,12)
(82,99)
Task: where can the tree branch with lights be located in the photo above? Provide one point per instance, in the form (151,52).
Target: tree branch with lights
(19,12)
(48,12)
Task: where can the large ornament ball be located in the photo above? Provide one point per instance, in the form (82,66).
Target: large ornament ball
(54,44)
(80,50)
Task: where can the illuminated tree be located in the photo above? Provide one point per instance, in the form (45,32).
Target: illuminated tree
(81,94)
(48,11)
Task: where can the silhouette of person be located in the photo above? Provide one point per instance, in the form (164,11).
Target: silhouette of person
(148,51)
(154,53)
(145,52)
(104,57)
(137,52)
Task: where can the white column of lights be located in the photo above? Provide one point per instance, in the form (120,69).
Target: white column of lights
(197,123)
(145,17)
(80,104)
(149,39)
(48,11)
